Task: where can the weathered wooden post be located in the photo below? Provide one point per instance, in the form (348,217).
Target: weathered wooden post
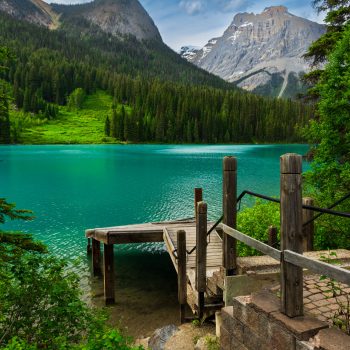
(291,234)
(181,273)
(230,214)
(88,247)
(272,232)
(198,197)
(201,255)
(96,257)
(108,274)
(309,229)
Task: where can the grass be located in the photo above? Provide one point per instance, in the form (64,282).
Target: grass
(85,126)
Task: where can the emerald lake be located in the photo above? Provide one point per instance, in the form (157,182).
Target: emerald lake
(72,188)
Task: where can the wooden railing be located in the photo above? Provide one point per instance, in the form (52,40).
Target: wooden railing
(296,237)
(292,240)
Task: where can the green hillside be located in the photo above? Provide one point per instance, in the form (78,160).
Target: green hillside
(169,99)
(84,126)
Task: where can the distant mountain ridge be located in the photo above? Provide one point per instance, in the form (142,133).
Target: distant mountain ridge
(34,11)
(116,17)
(262,53)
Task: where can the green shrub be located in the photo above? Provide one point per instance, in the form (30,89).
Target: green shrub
(40,298)
(255,221)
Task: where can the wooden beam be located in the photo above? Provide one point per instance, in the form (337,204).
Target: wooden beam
(229,205)
(96,257)
(108,274)
(308,230)
(182,274)
(291,234)
(135,237)
(252,242)
(337,273)
(201,255)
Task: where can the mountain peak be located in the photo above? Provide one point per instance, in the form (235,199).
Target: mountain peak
(263,49)
(273,10)
(117,17)
(34,11)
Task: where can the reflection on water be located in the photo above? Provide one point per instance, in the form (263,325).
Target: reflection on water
(71,188)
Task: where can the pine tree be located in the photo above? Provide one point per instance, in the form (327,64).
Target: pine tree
(5,130)
(107,127)
(113,131)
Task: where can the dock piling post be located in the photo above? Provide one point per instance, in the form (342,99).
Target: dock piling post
(272,233)
(230,214)
(291,234)
(309,229)
(198,197)
(108,275)
(88,247)
(96,257)
(201,255)
(182,273)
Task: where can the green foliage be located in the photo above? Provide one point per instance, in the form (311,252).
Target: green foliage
(329,178)
(168,99)
(76,99)
(7,210)
(338,16)
(40,298)
(255,221)
(5,134)
(212,342)
(84,126)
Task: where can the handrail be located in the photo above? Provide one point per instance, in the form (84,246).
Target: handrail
(321,211)
(208,233)
(335,272)
(252,242)
(320,267)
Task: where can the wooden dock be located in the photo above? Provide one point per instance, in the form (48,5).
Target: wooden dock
(200,256)
(165,232)
(204,254)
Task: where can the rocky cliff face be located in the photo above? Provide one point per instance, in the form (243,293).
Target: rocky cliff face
(34,11)
(263,52)
(117,17)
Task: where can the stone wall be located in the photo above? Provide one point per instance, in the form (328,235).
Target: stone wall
(255,323)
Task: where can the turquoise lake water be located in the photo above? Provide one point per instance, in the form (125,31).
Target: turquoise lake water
(72,188)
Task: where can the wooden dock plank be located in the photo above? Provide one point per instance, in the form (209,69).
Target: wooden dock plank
(167,232)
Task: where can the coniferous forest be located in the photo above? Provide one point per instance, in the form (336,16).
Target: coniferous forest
(171,100)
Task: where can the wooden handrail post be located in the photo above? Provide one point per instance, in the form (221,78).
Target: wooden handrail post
(182,274)
(272,232)
(96,257)
(198,197)
(201,255)
(291,234)
(309,229)
(229,205)
(108,274)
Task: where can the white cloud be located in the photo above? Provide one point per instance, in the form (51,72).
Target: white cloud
(192,7)
(232,5)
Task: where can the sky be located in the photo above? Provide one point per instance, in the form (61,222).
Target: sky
(194,22)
